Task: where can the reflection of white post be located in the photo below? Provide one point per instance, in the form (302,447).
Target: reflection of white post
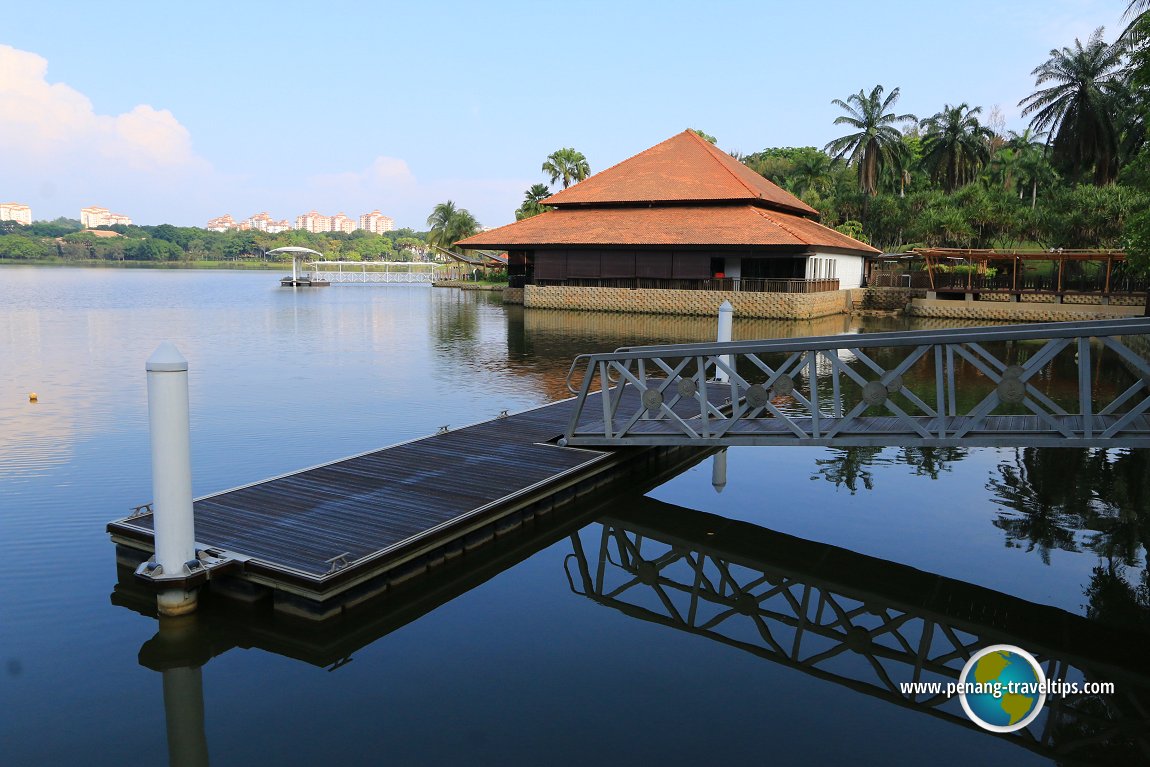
(184,711)
(726,320)
(175,536)
(719,470)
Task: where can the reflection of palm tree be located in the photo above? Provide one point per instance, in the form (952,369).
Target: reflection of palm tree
(1043,487)
(848,465)
(931,461)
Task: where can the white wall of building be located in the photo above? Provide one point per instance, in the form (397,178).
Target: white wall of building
(733,268)
(848,269)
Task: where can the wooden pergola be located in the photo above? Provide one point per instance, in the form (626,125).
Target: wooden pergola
(979,279)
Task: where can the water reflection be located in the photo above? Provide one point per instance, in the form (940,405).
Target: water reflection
(1076,500)
(849,466)
(860,622)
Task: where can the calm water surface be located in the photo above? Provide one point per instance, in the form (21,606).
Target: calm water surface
(545,649)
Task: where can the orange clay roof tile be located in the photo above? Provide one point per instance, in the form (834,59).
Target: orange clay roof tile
(684,168)
(691,225)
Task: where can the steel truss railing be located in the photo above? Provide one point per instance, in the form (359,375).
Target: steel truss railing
(383,278)
(865,641)
(850,390)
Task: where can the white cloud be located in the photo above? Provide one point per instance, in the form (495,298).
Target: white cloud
(62,154)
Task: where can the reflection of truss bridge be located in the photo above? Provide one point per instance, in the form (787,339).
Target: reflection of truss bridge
(864,623)
(966,387)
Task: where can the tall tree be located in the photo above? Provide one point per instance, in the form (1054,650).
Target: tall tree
(1079,106)
(955,146)
(566,164)
(449,224)
(876,142)
(533,202)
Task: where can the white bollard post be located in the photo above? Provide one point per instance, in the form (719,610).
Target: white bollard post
(719,470)
(726,320)
(175,536)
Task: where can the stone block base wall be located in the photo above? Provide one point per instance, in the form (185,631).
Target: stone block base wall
(886,299)
(513,295)
(999,311)
(795,306)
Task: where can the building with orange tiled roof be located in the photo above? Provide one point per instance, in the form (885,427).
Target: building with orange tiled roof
(682,214)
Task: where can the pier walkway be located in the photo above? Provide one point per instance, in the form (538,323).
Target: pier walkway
(339,533)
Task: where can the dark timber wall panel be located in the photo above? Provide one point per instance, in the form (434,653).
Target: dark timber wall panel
(692,266)
(583,263)
(653,264)
(551,264)
(618,263)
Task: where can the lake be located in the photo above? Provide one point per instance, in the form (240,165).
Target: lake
(555,646)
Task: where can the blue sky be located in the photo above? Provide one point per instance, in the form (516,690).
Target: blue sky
(177,113)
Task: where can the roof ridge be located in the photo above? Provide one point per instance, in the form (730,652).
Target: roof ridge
(766,214)
(711,149)
(610,167)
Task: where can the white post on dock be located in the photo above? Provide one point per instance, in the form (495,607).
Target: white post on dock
(294,269)
(719,470)
(726,321)
(168,419)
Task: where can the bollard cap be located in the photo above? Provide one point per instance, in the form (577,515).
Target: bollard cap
(726,307)
(166,359)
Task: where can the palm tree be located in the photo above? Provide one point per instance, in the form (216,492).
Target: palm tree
(566,164)
(955,145)
(450,224)
(533,202)
(1078,108)
(812,171)
(877,141)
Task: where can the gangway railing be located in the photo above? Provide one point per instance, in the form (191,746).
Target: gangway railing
(1016,385)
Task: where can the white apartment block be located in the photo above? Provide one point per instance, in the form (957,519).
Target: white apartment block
(221,223)
(95,216)
(341,222)
(376,223)
(14,211)
(313,222)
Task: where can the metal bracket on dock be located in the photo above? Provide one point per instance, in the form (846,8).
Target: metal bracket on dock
(338,562)
(141,510)
(192,573)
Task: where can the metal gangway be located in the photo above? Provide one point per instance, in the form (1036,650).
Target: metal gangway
(375,272)
(1015,385)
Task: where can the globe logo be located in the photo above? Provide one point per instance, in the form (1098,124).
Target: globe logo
(1002,688)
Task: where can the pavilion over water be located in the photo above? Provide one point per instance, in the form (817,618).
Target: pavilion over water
(680,215)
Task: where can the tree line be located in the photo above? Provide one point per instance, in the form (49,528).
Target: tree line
(65,239)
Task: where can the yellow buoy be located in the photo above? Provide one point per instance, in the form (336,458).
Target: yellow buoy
(32,397)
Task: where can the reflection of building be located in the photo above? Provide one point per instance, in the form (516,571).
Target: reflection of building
(680,215)
(14,211)
(95,216)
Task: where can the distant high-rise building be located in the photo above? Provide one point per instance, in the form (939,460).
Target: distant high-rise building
(376,223)
(95,216)
(313,222)
(341,222)
(14,211)
(221,223)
